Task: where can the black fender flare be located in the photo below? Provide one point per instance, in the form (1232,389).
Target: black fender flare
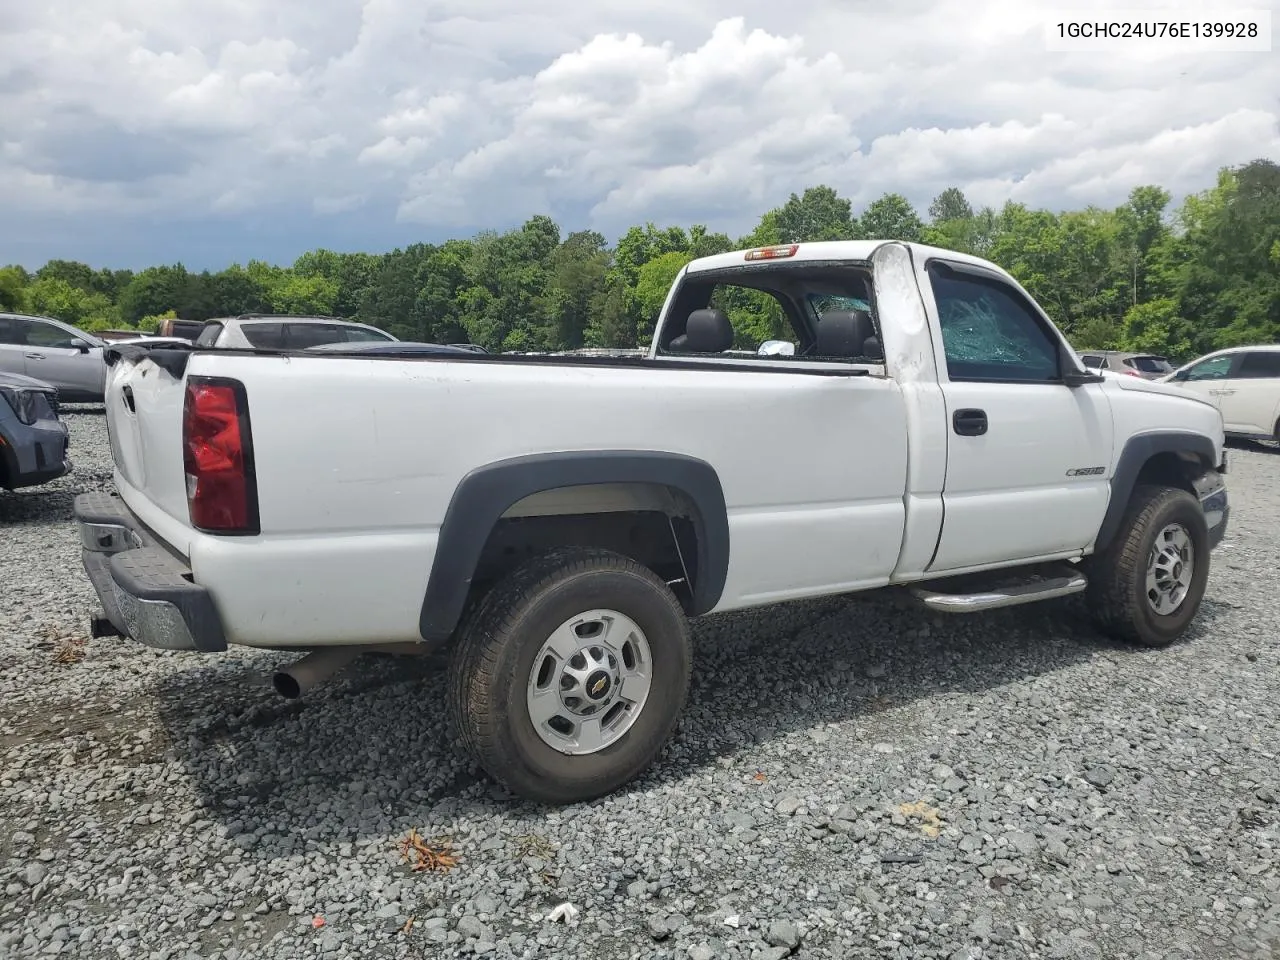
(487,492)
(1137,451)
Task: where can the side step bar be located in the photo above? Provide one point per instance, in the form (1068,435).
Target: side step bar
(1062,584)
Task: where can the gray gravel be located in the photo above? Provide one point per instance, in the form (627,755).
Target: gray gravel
(852,779)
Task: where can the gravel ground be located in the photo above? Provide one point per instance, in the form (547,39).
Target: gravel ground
(851,779)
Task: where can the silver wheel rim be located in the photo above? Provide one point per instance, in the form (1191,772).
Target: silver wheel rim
(589,682)
(1169,569)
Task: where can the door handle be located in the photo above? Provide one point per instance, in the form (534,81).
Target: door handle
(970,423)
(34,356)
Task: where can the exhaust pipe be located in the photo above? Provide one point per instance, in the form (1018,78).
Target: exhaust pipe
(293,681)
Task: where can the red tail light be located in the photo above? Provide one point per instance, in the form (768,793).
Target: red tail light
(217,446)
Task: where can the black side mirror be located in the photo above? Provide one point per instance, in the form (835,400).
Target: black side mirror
(1077,379)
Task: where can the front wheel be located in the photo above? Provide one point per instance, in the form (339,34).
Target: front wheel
(570,675)
(1146,586)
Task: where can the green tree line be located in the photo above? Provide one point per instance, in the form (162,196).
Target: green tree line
(1141,276)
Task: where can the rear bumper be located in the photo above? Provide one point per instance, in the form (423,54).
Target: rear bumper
(146,591)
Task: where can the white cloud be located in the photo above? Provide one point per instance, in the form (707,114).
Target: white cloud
(455,117)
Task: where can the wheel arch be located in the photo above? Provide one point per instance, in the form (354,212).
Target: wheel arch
(1169,457)
(486,494)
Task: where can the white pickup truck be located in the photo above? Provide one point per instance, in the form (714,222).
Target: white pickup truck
(556,520)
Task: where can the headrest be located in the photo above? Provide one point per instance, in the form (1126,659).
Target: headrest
(843,333)
(706,331)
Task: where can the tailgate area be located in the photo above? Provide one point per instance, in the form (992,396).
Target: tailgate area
(146,591)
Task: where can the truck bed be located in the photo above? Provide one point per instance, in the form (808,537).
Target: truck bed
(357,459)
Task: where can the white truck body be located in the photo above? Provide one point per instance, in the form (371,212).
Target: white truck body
(807,476)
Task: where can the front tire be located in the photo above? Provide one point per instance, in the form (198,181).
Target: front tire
(1146,586)
(570,675)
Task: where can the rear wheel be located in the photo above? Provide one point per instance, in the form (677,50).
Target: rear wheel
(1146,586)
(570,674)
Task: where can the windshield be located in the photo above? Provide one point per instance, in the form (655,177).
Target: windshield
(1150,364)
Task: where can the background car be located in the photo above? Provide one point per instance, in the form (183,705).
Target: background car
(1243,383)
(1148,366)
(54,352)
(33,441)
(257,331)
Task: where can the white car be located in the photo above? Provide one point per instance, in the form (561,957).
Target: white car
(555,520)
(1243,383)
(277,332)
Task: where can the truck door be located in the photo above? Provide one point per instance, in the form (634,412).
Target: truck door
(1028,457)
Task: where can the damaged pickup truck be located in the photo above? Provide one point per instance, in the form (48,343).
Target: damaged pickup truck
(556,521)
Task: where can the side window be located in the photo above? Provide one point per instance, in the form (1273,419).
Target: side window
(1261,365)
(1215,369)
(989,334)
(10,334)
(361,335)
(209,335)
(300,336)
(1092,361)
(264,336)
(40,334)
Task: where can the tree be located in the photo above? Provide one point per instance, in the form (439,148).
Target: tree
(611,323)
(704,244)
(949,206)
(891,217)
(652,288)
(1141,226)
(504,301)
(639,245)
(13,285)
(52,296)
(576,277)
(71,272)
(818,214)
(153,291)
(234,291)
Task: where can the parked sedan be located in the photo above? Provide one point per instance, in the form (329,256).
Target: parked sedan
(54,352)
(33,441)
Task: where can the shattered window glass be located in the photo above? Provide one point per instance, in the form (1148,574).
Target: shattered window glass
(989,335)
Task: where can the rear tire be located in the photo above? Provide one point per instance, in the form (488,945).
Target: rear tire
(1146,586)
(570,675)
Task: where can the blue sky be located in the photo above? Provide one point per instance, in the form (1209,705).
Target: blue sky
(138,132)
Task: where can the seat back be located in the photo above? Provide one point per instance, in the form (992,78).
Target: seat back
(706,331)
(844,333)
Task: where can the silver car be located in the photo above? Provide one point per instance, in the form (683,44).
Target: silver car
(56,353)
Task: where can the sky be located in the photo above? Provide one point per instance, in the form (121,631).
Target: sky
(139,131)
